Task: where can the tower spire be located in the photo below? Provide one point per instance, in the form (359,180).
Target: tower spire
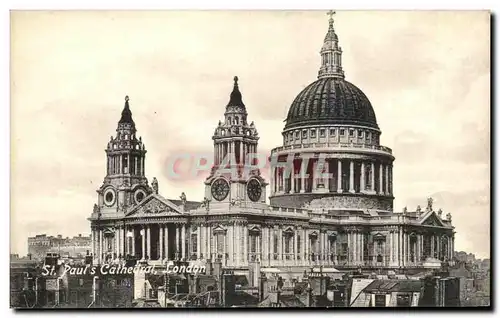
(235,98)
(331,53)
(126,114)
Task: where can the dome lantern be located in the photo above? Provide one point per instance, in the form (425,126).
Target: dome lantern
(331,53)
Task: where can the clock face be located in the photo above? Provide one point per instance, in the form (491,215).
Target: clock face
(139,196)
(220,189)
(254,190)
(109,197)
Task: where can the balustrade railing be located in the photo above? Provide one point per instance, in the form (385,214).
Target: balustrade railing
(332,145)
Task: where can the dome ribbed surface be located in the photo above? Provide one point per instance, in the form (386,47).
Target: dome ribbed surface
(331,101)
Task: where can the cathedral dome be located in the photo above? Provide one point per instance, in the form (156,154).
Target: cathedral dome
(331,101)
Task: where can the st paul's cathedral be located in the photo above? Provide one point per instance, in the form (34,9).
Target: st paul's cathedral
(330,193)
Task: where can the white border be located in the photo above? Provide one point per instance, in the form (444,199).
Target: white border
(186,4)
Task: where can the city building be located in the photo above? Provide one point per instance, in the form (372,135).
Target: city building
(330,191)
(76,247)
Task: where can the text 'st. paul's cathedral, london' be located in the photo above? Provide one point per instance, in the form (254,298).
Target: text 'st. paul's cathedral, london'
(330,192)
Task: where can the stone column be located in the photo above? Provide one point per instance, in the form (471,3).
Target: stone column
(395,247)
(209,242)
(183,242)
(133,241)
(315,175)
(143,238)
(362,247)
(354,241)
(351,176)
(349,247)
(327,171)
(280,245)
(306,246)
(237,238)
(99,246)
(116,249)
(302,176)
(283,179)
(432,246)
(295,252)
(400,247)
(372,177)
(387,179)
(198,242)
(245,244)
(389,245)
(381,178)
(177,241)
(241,152)
(92,233)
(148,240)
(292,179)
(339,176)
(362,180)
(160,243)
(167,258)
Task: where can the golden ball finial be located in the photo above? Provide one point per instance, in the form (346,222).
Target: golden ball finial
(236,80)
(126,98)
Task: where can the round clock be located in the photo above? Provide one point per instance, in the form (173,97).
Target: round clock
(139,196)
(254,190)
(220,189)
(109,197)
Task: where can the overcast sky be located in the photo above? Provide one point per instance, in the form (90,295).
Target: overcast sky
(427,75)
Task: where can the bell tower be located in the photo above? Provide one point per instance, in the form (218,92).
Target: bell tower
(235,176)
(125,183)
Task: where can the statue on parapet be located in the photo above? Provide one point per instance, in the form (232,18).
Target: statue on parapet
(154,185)
(183,198)
(429,204)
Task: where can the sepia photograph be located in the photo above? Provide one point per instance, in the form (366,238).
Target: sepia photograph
(250,159)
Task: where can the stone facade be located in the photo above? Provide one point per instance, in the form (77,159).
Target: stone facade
(331,194)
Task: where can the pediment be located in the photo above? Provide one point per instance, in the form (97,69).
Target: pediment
(379,236)
(154,205)
(254,228)
(219,229)
(313,234)
(331,233)
(431,219)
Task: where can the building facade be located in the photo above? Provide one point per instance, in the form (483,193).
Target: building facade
(75,247)
(330,191)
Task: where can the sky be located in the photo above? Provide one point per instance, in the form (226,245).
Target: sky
(427,75)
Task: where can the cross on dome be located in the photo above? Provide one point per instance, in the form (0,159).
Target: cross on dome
(331,14)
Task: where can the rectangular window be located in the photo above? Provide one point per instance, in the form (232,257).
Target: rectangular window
(351,132)
(194,243)
(322,133)
(342,132)
(297,134)
(290,137)
(253,244)
(298,243)
(360,133)
(304,134)
(287,244)
(332,132)
(220,243)
(275,239)
(368,135)
(313,133)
